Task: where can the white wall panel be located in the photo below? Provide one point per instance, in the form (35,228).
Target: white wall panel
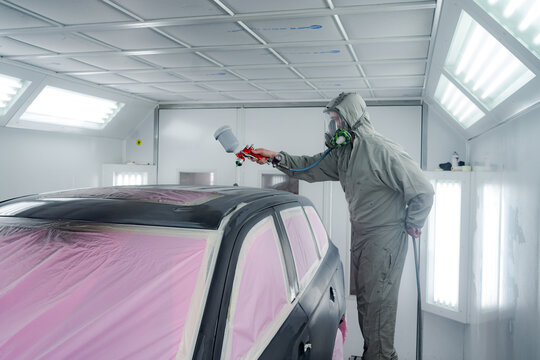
(33,161)
(186,143)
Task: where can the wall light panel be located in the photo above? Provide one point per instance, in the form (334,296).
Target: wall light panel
(459,106)
(67,108)
(10,90)
(482,65)
(521,18)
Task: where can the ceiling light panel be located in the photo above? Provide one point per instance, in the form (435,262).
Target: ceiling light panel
(392,50)
(329,54)
(211,34)
(67,108)
(133,39)
(177,60)
(248,6)
(60,64)
(10,47)
(329,71)
(163,9)
(71,12)
(268,73)
(59,42)
(13,19)
(244,57)
(521,18)
(456,104)
(296,29)
(113,62)
(10,90)
(482,65)
(388,23)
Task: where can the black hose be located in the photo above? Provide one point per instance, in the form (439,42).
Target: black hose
(419,318)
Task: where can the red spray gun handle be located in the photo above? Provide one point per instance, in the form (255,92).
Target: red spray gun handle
(247,152)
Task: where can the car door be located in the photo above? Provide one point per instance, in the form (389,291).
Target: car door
(263,317)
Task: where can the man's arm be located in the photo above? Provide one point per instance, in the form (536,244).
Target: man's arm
(326,170)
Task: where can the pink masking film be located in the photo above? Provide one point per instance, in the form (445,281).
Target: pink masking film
(262,293)
(318,228)
(96,295)
(301,241)
(338,346)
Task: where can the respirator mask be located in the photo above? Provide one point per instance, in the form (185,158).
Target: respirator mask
(337,130)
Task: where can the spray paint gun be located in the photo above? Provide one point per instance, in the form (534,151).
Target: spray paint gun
(231,145)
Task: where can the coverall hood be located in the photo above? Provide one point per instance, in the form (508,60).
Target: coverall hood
(353,110)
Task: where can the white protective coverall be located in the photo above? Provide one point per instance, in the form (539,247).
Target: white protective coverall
(387,193)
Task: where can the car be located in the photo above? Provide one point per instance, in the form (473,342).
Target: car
(168,272)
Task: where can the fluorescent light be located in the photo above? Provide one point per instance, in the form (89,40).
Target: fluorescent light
(10,90)
(482,65)
(521,18)
(458,106)
(444,245)
(69,108)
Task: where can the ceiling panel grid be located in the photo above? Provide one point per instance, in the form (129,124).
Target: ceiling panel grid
(231,50)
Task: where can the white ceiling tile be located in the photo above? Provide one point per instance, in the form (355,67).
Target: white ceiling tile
(149,76)
(297,95)
(332,94)
(386,83)
(177,60)
(162,9)
(179,87)
(13,19)
(249,6)
(10,47)
(230,85)
(113,62)
(135,88)
(415,68)
(163,96)
(270,73)
(60,64)
(244,57)
(329,71)
(208,97)
(398,93)
(105,78)
(340,3)
(392,50)
(250,95)
(133,39)
(207,75)
(74,11)
(298,29)
(316,54)
(383,24)
(59,42)
(211,34)
(284,85)
(340,84)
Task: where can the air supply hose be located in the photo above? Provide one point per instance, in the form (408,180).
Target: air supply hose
(315,163)
(419,330)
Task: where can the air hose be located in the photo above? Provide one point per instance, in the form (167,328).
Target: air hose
(315,163)
(419,330)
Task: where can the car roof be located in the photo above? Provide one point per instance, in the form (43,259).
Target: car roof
(200,207)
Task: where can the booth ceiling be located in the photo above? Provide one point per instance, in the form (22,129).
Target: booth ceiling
(202,51)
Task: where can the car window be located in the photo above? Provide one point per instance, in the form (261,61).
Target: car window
(94,291)
(318,229)
(302,243)
(259,300)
